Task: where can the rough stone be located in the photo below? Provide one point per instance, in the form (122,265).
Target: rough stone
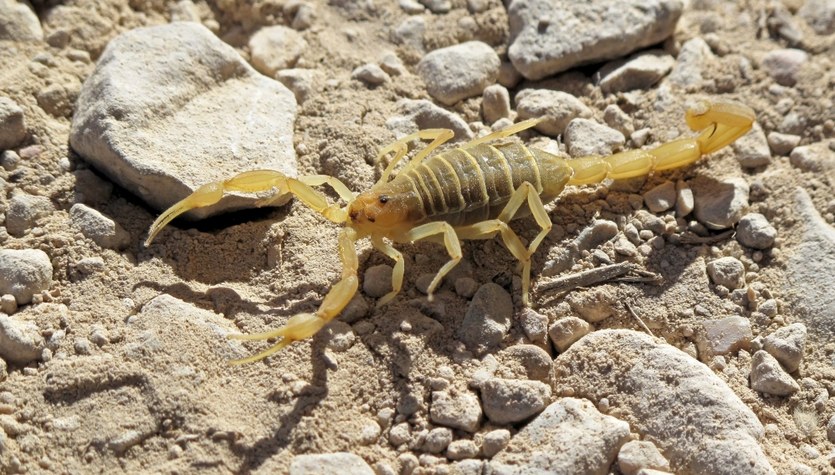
(102,230)
(567,330)
(24,273)
(215,117)
(584,137)
(782,144)
(20,342)
(638,72)
(458,72)
(783,65)
(12,120)
(755,231)
(552,36)
(820,15)
(459,410)
(495,103)
(641,454)
(557,108)
(24,211)
(322,464)
(370,74)
(661,198)
(422,114)
(727,271)
(752,149)
(767,376)
(692,58)
(488,318)
(276,47)
(719,204)
(812,158)
(507,401)
(377,281)
(685,200)
(787,345)
(570,436)
(725,336)
(18,23)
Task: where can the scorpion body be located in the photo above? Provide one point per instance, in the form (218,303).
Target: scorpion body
(470,192)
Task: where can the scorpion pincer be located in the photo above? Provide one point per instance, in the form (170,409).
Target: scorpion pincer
(470,192)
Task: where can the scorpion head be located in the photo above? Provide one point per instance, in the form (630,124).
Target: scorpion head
(373,210)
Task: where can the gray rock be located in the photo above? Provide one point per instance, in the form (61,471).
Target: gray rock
(533,323)
(641,454)
(409,33)
(215,117)
(584,137)
(830,429)
(466,287)
(24,272)
(20,342)
(820,15)
(552,36)
(495,103)
(462,449)
(727,271)
(557,108)
(782,144)
(422,114)
(619,120)
(810,269)
(8,304)
(18,23)
(570,436)
(437,440)
(525,362)
(787,345)
(391,64)
(767,376)
(668,397)
(725,336)
(459,410)
(323,464)
(755,231)
(458,72)
(437,6)
(694,55)
(370,74)
(567,330)
(601,230)
(507,401)
(494,442)
(593,305)
(299,80)
(411,7)
(90,265)
(812,158)
(638,72)
(274,48)
(783,65)
(12,121)
(685,200)
(488,318)
(9,160)
(377,281)
(661,198)
(719,204)
(24,212)
(752,149)
(102,230)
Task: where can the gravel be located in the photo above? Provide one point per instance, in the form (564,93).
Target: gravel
(754,231)
(24,273)
(370,74)
(168,141)
(458,72)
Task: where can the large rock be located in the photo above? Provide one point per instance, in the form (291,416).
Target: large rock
(549,36)
(169,108)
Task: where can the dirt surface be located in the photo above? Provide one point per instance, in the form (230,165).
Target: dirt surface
(132,388)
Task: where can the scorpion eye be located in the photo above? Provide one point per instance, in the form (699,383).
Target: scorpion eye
(384,199)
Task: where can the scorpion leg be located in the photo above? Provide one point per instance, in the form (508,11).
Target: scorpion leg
(400,147)
(505,132)
(453,247)
(305,325)
(487,229)
(253,182)
(398,271)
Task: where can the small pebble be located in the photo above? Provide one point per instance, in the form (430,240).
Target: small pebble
(752,149)
(494,442)
(619,120)
(808,158)
(370,74)
(830,429)
(274,48)
(727,271)
(534,324)
(584,137)
(783,65)
(820,15)
(458,410)
(24,273)
(20,342)
(720,204)
(495,103)
(567,330)
(639,454)
(782,144)
(461,449)
(661,198)
(9,160)
(102,230)
(787,345)
(437,440)
(391,64)
(754,231)
(23,212)
(12,123)
(377,281)
(82,346)
(557,108)
(725,336)
(339,462)
(90,265)
(487,319)
(299,81)
(638,72)
(466,287)
(767,376)
(400,434)
(8,304)
(458,72)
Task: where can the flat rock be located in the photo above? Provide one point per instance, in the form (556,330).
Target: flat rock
(640,454)
(665,395)
(661,198)
(102,230)
(458,72)
(569,436)
(557,108)
(809,287)
(782,144)
(719,204)
(324,464)
(24,273)
(567,330)
(214,117)
(723,336)
(638,72)
(551,36)
(12,122)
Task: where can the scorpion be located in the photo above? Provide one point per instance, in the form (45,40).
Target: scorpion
(469,192)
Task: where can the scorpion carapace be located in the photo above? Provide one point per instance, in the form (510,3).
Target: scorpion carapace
(470,192)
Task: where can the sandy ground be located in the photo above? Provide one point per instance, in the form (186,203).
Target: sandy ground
(149,392)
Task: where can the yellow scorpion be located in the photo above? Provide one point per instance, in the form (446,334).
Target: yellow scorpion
(470,192)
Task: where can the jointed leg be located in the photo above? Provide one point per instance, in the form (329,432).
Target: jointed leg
(453,247)
(252,182)
(305,325)
(397,272)
(400,147)
(526,192)
(505,132)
